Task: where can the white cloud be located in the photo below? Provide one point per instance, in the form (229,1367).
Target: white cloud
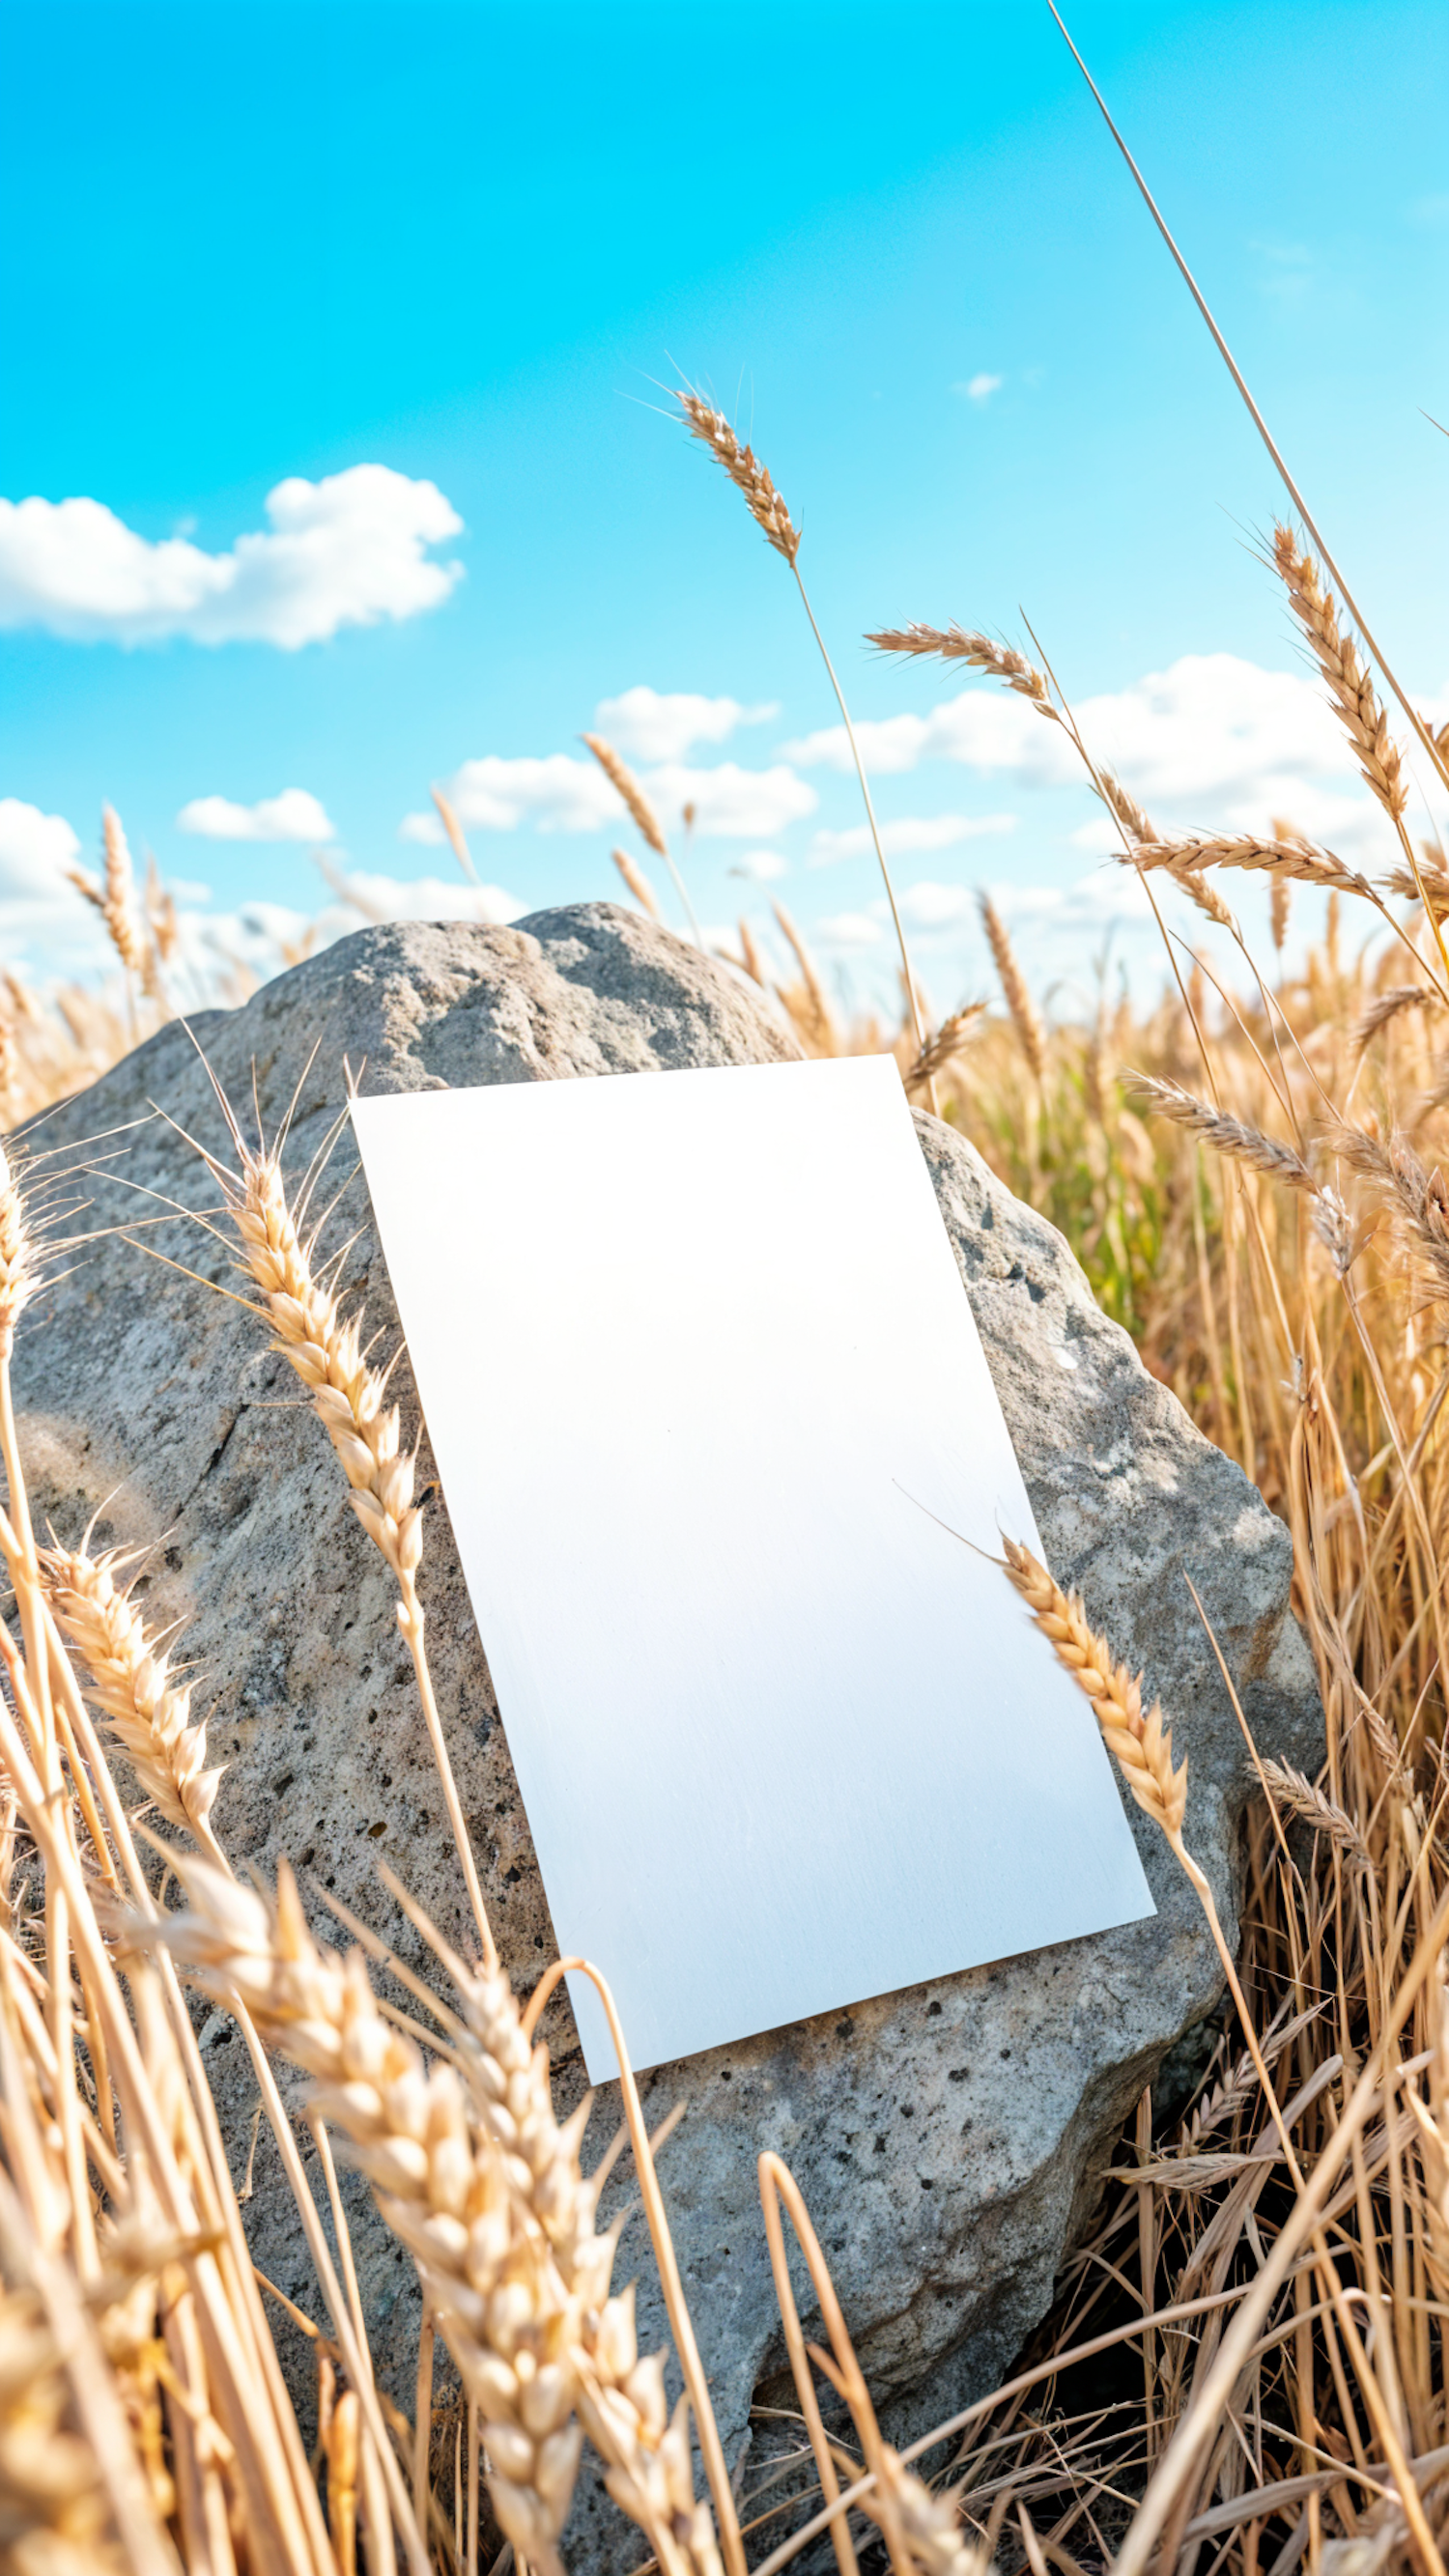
(979,389)
(40,915)
(731,803)
(653,727)
(292,816)
(387,898)
(928,906)
(847,930)
(908,833)
(34,849)
(761,866)
(350,550)
(1212,741)
(985,729)
(555,794)
(561,794)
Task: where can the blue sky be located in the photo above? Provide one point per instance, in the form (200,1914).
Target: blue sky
(249,246)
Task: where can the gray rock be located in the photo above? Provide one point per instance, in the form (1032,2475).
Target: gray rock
(948,2140)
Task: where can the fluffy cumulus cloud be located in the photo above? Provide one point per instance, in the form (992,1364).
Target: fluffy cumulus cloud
(908,834)
(562,794)
(351,550)
(292,816)
(649,726)
(731,803)
(373,896)
(34,849)
(842,934)
(1213,741)
(555,794)
(40,915)
(979,388)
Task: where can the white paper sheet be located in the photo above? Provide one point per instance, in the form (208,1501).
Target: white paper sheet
(694,1352)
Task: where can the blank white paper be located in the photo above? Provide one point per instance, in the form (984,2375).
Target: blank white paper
(698,1366)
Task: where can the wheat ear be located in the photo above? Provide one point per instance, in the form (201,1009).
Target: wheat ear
(979,652)
(766,506)
(938,1051)
(622,779)
(1427,882)
(1349,684)
(1026,1018)
(457,842)
(1387,1006)
(350,1398)
(1143,1745)
(477,2178)
(54,2509)
(1229,1135)
(1277,858)
(637,882)
(150,1718)
(1317,1809)
(1417,1196)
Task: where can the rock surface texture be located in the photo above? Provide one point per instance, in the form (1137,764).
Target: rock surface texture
(948,2139)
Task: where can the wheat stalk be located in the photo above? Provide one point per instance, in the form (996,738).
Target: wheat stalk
(1139,834)
(349,1397)
(769,513)
(474,2174)
(1026,1018)
(150,1718)
(982,653)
